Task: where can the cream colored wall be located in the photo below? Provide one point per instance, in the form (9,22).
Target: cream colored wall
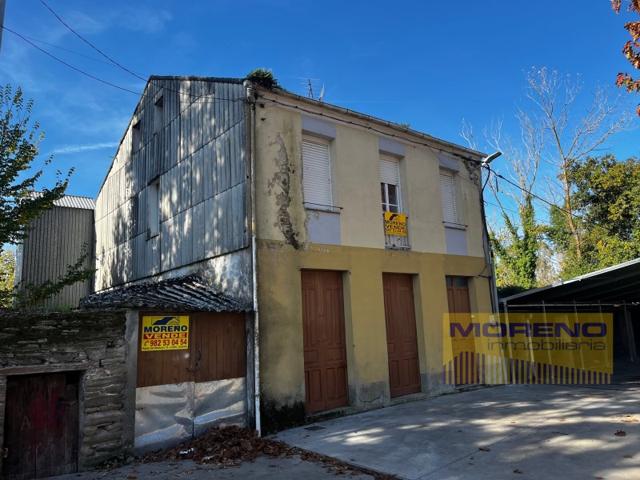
(361,256)
(280,300)
(356,186)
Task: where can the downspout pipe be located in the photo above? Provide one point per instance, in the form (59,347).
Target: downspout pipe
(254,257)
(485,237)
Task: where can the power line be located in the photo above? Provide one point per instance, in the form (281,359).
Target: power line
(58,59)
(53,45)
(198,98)
(70,28)
(529,192)
(114,61)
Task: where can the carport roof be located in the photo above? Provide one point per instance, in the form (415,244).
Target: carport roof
(617,284)
(184,294)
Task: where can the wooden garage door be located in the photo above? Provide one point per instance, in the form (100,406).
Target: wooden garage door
(41,425)
(402,341)
(325,357)
(217,351)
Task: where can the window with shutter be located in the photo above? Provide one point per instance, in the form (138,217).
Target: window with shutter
(449,197)
(390,185)
(316,174)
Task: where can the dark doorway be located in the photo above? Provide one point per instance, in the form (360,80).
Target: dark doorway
(402,338)
(41,425)
(325,356)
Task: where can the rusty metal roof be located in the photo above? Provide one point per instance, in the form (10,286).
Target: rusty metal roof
(191,293)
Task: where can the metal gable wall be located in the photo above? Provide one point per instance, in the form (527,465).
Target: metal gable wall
(195,146)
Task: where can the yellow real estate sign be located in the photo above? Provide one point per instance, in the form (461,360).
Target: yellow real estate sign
(395,224)
(165,332)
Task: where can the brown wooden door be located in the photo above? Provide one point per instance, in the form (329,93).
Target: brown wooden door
(402,337)
(325,355)
(458,295)
(41,425)
(464,364)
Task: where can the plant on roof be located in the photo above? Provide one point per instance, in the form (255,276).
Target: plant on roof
(263,77)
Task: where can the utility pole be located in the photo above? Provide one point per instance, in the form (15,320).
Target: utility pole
(2,5)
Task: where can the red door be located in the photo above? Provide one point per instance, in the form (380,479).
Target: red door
(402,337)
(325,356)
(41,425)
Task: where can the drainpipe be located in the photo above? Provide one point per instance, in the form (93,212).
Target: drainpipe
(254,257)
(486,245)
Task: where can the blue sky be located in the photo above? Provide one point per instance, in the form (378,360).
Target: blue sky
(429,63)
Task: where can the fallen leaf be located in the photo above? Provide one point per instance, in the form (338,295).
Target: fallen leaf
(620,433)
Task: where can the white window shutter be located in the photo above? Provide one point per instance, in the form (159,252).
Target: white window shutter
(449,200)
(316,174)
(389,171)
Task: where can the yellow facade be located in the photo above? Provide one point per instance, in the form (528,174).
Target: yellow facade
(284,250)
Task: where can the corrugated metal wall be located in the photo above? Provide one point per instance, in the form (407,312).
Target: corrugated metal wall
(195,146)
(55,241)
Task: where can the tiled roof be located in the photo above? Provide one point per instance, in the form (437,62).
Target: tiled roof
(191,293)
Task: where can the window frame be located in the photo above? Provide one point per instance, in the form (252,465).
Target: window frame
(384,187)
(457,222)
(324,142)
(153,211)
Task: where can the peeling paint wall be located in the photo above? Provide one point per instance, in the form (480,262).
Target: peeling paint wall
(361,255)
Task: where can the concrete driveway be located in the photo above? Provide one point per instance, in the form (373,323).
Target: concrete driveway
(514,431)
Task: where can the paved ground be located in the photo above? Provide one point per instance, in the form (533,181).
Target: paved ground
(513,432)
(263,468)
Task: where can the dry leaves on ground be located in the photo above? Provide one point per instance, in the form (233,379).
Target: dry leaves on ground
(232,445)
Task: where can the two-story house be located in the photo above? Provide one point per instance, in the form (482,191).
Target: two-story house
(311,251)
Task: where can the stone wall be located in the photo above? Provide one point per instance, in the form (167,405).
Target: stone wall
(92,344)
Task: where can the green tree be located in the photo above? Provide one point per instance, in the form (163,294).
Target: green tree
(7,274)
(19,202)
(516,248)
(606,197)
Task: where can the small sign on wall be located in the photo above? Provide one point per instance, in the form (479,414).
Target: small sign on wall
(165,332)
(395,224)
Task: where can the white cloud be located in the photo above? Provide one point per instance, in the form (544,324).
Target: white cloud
(83,148)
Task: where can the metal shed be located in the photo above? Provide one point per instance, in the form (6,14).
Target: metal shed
(614,289)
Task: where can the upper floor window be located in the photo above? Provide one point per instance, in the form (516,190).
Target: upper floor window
(390,184)
(136,136)
(450,210)
(158,114)
(153,209)
(316,174)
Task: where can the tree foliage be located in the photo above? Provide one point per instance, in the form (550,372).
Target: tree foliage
(631,48)
(516,248)
(531,249)
(20,204)
(606,196)
(7,275)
